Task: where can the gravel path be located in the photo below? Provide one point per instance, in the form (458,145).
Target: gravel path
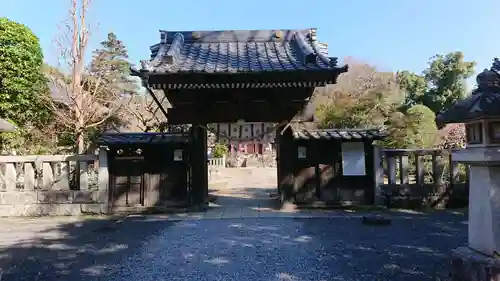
(413,247)
(225,244)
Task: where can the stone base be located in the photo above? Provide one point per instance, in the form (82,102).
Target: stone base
(469,265)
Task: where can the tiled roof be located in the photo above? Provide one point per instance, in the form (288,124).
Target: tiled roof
(142,138)
(240,51)
(338,134)
(483,103)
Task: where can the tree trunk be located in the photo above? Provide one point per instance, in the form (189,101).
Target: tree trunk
(80,142)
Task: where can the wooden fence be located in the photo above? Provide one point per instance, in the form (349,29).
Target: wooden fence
(415,178)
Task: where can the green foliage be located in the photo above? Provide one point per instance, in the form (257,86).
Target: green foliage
(21,76)
(423,126)
(440,85)
(367,99)
(348,112)
(363,97)
(219,150)
(414,86)
(111,67)
(447,75)
(415,129)
(28,141)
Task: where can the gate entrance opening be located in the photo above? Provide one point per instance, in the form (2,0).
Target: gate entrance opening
(235,77)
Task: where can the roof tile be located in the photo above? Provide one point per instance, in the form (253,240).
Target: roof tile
(240,51)
(141,138)
(338,134)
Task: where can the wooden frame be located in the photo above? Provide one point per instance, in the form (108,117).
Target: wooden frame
(474,133)
(493,138)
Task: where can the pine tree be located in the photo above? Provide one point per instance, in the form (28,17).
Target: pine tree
(110,65)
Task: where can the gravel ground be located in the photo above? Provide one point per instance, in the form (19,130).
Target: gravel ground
(331,247)
(413,247)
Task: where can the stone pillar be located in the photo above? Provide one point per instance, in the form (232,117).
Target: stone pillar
(378,171)
(480,259)
(484,209)
(103,180)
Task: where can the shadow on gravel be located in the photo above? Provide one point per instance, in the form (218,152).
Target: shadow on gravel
(84,250)
(415,246)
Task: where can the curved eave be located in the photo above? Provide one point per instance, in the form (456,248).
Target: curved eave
(269,79)
(312,71)
(477,106)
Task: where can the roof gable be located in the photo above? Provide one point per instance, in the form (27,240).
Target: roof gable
(239,51)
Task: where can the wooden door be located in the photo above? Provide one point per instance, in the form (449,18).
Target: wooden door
(127,182)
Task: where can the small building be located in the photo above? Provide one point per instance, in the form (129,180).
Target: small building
(148,170)
(332,166)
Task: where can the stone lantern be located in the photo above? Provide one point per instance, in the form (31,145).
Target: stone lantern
(480,259)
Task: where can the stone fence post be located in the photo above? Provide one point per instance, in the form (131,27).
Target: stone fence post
(378,171)
(103,178)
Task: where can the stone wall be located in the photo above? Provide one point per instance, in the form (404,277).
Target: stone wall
(46,185)
(52,202)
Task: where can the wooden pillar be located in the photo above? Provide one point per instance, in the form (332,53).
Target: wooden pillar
(199,165)
(286,155)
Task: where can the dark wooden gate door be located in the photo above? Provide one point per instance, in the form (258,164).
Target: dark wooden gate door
(127,183)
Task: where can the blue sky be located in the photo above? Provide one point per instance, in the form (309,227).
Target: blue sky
(392,34)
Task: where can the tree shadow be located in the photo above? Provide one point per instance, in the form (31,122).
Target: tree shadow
(416,246)
(78,250)
(337,248)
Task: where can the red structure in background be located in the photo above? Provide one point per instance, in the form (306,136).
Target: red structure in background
(247,148)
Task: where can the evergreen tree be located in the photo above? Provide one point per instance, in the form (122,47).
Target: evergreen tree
(110,66)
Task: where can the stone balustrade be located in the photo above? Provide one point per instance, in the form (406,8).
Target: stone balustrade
(217,162)
(415,178)
(38,185)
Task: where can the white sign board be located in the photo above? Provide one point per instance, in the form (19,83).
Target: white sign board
(302,152)
(178,155)
(353,159)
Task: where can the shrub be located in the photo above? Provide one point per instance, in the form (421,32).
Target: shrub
(219,150)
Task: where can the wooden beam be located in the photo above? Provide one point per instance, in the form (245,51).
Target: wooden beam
(222,113)
(224,95)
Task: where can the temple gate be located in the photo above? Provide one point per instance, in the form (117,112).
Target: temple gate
(241,77)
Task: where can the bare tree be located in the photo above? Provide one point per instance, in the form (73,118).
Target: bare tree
(143,114)
(362,97)
(82,96)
